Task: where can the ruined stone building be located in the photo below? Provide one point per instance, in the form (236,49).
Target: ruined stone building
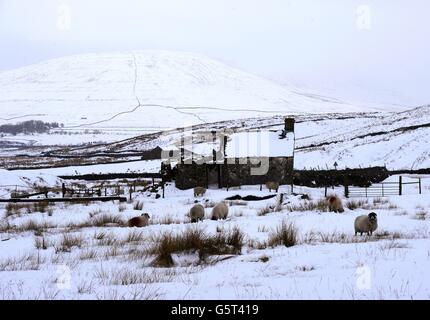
(238,158)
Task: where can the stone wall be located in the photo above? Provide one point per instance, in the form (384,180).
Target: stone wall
(192,175)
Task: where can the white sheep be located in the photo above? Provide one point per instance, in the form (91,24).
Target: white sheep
(220,211)
(271,185)
(139,222)
(197,213)
(366,224)
(334,204)
(199,191)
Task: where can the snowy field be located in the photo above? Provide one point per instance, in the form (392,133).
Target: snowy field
(84,251)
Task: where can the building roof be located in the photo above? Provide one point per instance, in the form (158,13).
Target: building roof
(259,144)
(248,144)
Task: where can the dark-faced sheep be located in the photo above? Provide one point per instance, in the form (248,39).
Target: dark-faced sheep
(334,204)
(197,213)
(271,185)
(366,224)
(139,222)
(220,211)
(199,191)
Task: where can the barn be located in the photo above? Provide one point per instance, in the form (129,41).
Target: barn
(235,158)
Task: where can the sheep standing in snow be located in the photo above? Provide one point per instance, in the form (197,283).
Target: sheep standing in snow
(334,204)
(366,224)
(220,211)
(199,191)
(197,213)
(271,185)
(139,222)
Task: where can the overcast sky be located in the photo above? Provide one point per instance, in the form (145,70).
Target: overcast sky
(368,50)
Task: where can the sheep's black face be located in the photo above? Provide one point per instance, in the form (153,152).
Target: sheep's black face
(146,215)
(372,216)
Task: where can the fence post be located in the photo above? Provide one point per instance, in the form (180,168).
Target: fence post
(400,186)
(382,189)
(325,191)
(162,185)
(346,191)
(419,185)
(63,189)
(366,191)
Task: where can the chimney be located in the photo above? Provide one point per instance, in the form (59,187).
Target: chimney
(289,125)
(182,149)
(214,144)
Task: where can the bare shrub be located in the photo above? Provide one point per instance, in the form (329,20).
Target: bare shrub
(196,240)
(69,241)
(99,235)
(258,245)
(94,213)
(320,205)
(422,214)
(42,243)
(107,219)
(85,287)
(134,236)
(41,206)
(285,234)
(334,237)
(355,204)
(138,205)
(5,226)
(263,229)
(380,201)
(89,254)
(393,244)
(265,210)
(33,225)
(109,239)
(167,220)
(12,209)
(26,262)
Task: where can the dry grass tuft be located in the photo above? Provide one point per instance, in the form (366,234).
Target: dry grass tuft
(285,234)
(69,241)
(320,205)
(196,240)
(265,210)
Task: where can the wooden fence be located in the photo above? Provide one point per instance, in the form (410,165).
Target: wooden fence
(78,192)
(382,189)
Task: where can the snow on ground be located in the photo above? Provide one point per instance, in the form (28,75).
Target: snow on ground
(128,167)
(327,263)
(73,137)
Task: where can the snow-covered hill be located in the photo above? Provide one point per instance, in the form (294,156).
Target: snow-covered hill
(149,89)
(398,140)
